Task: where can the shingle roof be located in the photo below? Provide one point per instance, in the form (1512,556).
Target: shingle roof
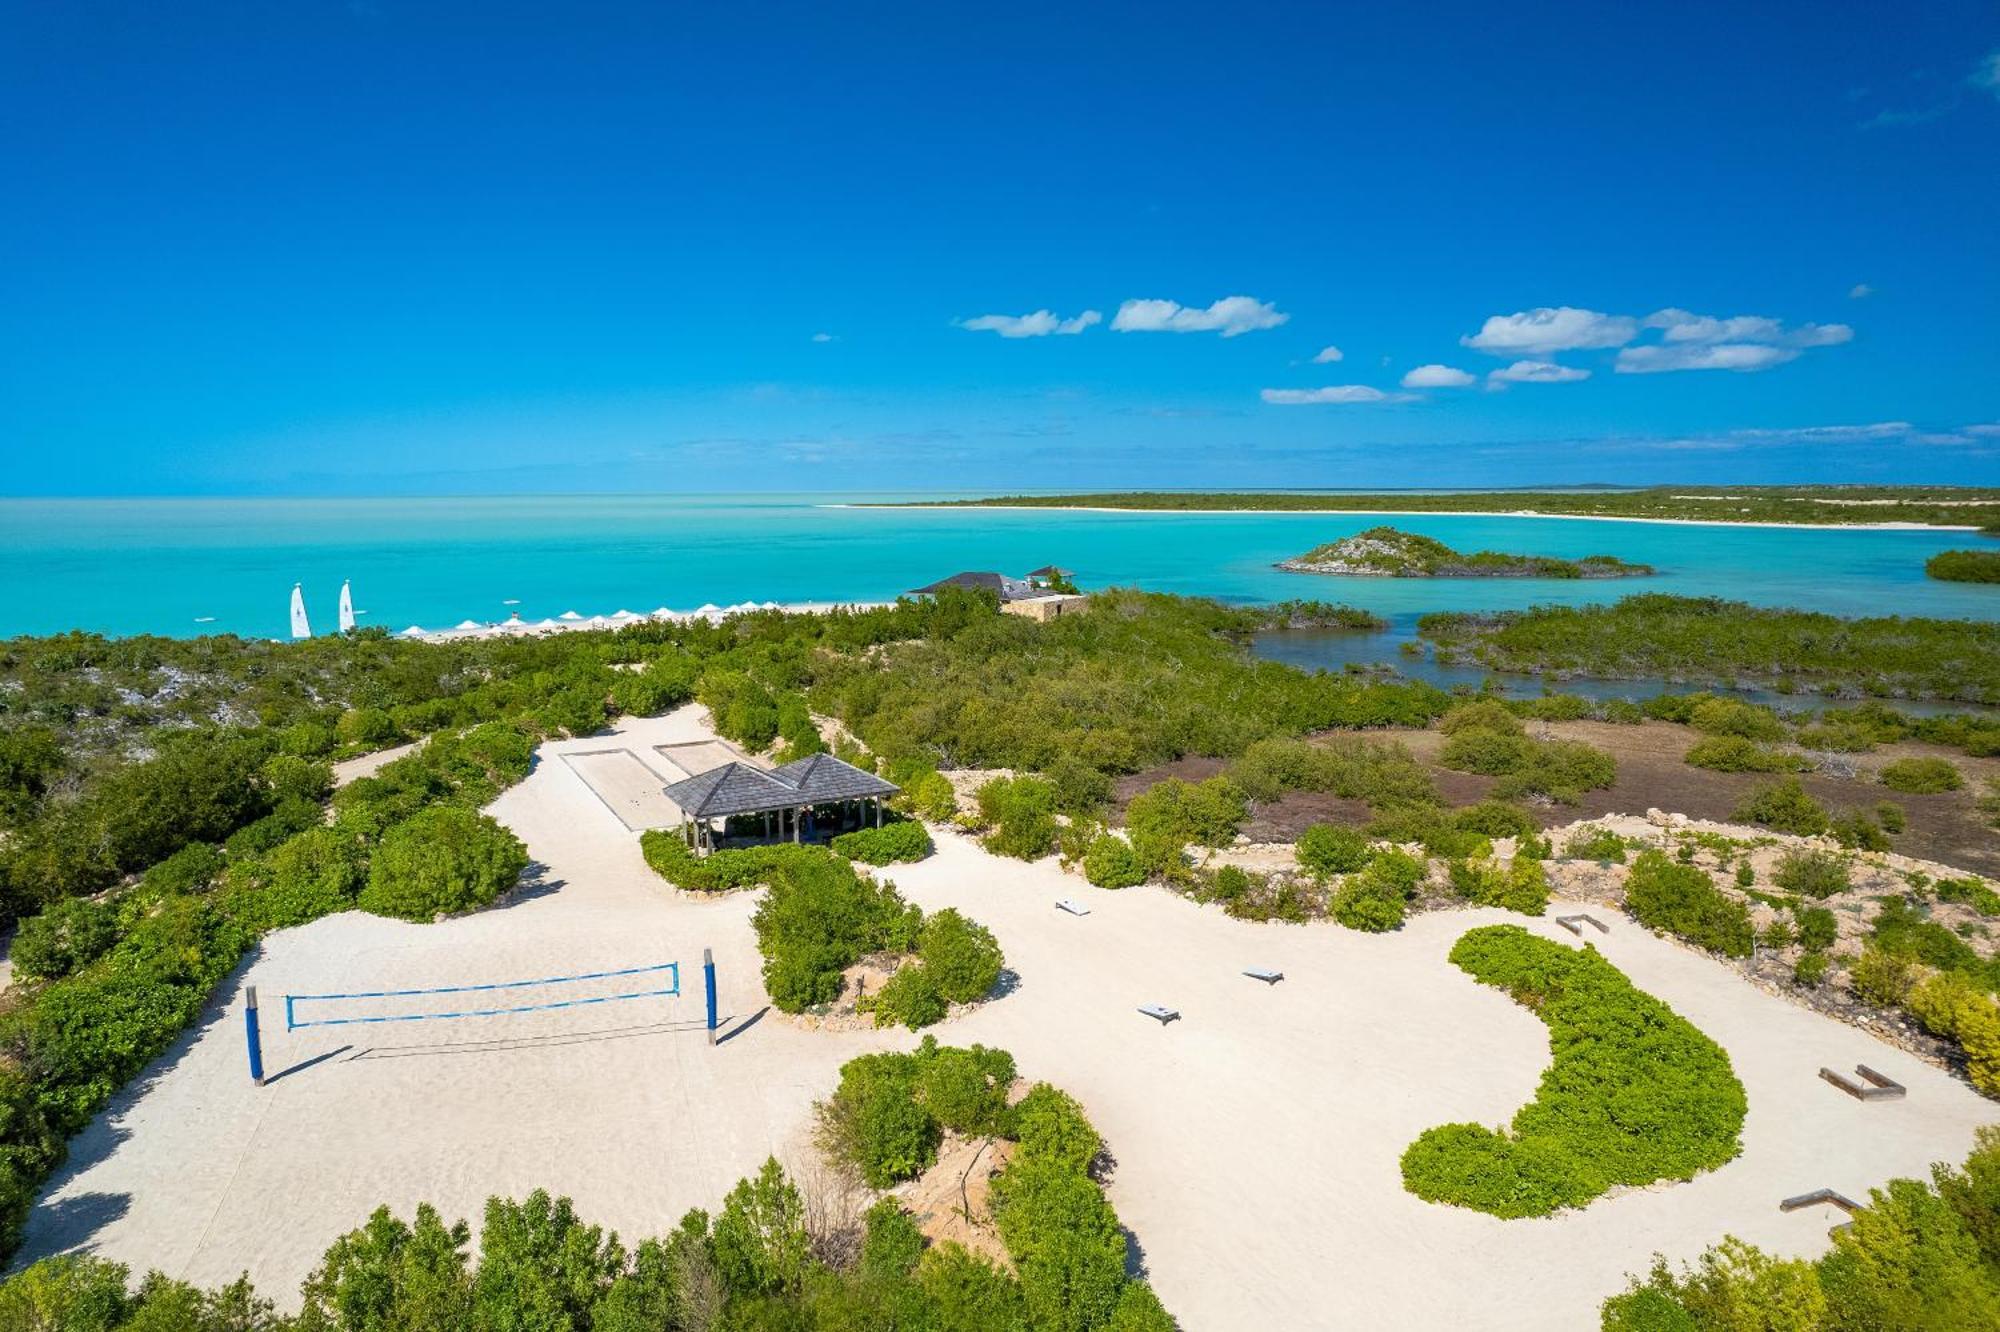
(738,788)
(1049,571)
(1010,589)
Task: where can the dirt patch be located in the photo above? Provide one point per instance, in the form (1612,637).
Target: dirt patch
(952,1200)
(1947,828)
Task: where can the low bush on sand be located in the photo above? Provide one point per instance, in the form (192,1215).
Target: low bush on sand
(1112,863)
(1376,897)
(1921,1254)
(1816,874)
(1783,806)
(819,917)
(1921,776)
(441,861)
(893,843)
(1683,901)
(1020,813)
(1333,848)
(1635,1093)
(1733,753)
(1522,886)
(1599,844)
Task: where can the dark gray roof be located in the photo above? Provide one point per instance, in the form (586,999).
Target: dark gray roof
(1049,571)
(824,777)
(738,788)
(1010,589)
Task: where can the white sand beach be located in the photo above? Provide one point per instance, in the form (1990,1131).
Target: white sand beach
(1256,1140)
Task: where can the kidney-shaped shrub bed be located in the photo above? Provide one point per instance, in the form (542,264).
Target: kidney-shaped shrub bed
(1635,1093)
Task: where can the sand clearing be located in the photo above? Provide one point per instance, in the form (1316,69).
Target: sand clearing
(1256,1140)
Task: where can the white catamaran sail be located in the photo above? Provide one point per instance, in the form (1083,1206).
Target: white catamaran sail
(301,627)
(346,607)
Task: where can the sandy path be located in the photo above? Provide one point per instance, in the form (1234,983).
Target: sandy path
(1257,1140)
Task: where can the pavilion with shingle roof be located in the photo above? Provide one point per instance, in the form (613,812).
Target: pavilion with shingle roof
(785,797)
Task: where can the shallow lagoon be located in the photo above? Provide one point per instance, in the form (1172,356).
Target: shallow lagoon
(165,565)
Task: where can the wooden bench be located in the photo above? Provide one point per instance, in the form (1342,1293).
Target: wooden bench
(1873,1086)
(1575,924)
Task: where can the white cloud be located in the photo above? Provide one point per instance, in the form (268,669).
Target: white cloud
(1331,393)
(1537,372)
(1738,356)
(1835,434)
(1436,376)
(1987,75)
(1562,328)
(1229,316)
(1860,291)
(1037,325)
(1328,355)
(824,337)
(1678,326)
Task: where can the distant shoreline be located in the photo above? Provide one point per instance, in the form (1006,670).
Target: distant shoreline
(1433,513)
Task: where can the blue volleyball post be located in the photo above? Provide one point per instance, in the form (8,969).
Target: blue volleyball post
(250,1035)
(708,984)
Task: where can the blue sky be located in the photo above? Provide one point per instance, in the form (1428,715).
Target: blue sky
(387,247)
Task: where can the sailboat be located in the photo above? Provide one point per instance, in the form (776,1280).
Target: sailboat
(301,627)
(346,608)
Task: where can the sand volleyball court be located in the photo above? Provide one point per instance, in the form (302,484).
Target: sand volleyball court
(1256,1140)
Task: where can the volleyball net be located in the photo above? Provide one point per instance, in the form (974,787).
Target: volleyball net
(662,980)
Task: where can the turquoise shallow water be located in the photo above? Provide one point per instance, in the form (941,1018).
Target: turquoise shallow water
(130,566)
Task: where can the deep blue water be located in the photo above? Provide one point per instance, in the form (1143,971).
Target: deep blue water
(160,566)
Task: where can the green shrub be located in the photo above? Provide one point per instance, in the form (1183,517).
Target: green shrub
(1818,928)
(1856,831)
(1111,863)
(1374,899)
(961,956)
(192,869)
(817,919)
(965,1090)
(1882,977)
(1065,1242)
(1971,892)
(1382,772)
(874,1121)
(1431,827)
(1635,1093)
(1817,874)
(1904,930)
(1562,770)
(1921,776)
(1523,886)
(1204,813)
(1599,844)
(910,998)
(1496,818)
(927,793)
(1333,848)
(1487,752)
(1891,816)
(314,874)
(1746,873)
(1728,716)
(441,861)
(1952,1006)
(1811,969)
(1050,1126)
(1021,813)
(67,936)
(1683,901)
(892,843)
(1784,806)
(1487,714)
(1733,753)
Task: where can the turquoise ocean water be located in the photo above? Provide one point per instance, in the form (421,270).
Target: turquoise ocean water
(206,565)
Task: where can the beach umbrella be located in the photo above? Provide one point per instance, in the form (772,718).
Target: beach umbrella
(624,615)
(772,605)
(413,632)
(546,623)
(469,624)
(663,614)
(569,615)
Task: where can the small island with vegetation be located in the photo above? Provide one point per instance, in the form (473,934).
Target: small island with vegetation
(1386,552)
(1964,566)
